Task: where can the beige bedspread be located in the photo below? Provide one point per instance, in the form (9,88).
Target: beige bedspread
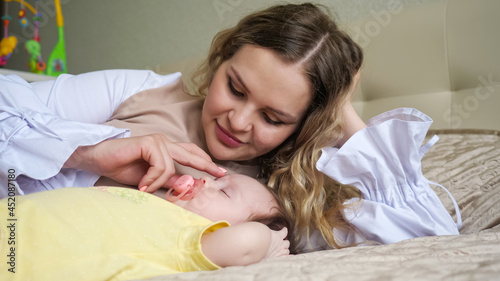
(468,164)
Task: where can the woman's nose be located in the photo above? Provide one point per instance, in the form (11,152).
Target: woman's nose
(240,119)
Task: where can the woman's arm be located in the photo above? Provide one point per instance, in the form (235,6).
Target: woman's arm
(145,161)
(94,96)
(244,244)
(43,123)
(35,141)
(353,122)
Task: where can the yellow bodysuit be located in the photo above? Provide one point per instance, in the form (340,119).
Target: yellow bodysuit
(101,233)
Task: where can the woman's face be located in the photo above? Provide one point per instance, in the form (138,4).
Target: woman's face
(254,103)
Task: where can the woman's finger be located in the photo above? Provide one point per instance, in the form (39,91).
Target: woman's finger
(161,167)
(160,153)
(194,149)
(196,158)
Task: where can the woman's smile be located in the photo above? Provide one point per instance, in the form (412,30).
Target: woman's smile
(225,137)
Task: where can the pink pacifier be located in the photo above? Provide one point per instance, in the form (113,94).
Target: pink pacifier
(184,188)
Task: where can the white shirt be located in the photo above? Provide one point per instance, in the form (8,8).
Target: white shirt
(384,162)
(42,123)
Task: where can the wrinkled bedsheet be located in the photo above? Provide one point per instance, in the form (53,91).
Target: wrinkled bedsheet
(467,162)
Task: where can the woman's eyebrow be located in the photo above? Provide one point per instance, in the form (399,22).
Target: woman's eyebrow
(290,118)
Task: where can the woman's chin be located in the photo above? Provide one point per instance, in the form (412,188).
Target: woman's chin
(221,153)
(225,156)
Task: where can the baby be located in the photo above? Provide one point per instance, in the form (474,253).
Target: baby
(239,200)
(103,233)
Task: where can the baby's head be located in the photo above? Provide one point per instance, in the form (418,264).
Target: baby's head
(235,198)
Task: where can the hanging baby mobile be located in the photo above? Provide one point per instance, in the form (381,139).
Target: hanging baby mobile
(57,60)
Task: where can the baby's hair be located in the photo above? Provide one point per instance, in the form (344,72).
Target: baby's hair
(278,219)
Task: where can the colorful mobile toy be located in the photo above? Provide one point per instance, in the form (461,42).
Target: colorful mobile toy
(8,43)
(33,46)
(57,60)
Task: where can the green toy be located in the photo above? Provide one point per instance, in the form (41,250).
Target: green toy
(57,61)
(33,47)
(36,64)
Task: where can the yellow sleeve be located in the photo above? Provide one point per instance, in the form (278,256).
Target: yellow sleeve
(191,257)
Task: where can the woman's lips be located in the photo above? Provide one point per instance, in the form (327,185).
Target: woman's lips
(226,138)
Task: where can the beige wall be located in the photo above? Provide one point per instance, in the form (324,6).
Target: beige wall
(148,34)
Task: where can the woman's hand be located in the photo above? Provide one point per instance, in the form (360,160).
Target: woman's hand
(145,161)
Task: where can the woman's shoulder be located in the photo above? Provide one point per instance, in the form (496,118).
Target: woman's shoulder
(155,95)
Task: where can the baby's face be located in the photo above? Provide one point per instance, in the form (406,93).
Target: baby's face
(233,198)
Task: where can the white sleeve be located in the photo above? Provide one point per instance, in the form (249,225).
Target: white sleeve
(93,97)
(41,124)
(384,162)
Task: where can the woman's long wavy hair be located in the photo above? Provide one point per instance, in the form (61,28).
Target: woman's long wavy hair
(306,35)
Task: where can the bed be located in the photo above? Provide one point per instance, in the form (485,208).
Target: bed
(441,57)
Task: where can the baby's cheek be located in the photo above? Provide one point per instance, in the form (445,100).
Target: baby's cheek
(204,198)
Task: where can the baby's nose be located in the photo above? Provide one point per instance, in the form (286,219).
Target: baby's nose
(208,182)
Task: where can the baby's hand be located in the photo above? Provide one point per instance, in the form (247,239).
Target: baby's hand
(279,246)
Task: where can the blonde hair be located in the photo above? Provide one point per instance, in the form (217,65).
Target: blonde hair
(306,35)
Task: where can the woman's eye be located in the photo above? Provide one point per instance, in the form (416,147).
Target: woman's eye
(237,93)
(271,121)
(232,89)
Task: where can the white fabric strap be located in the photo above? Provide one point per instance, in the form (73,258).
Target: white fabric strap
(422,152)
(38,126)
(457,209)
(428,145)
